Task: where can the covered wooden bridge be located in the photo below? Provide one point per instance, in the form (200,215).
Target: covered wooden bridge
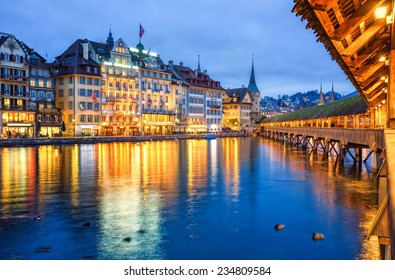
(359,36)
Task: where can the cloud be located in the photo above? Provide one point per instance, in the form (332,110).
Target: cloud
(224,33)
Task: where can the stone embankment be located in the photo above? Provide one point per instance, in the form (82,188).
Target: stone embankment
(21,142)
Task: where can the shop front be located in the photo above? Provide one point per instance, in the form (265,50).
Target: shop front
(17,124)
(158,124)
(197,128)
(18,130)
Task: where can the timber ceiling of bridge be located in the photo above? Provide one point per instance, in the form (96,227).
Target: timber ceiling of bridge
(355,38)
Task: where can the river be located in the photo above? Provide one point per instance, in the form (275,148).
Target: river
(186,199)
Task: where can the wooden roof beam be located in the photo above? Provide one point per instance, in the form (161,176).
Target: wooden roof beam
(377,76)
(376,99)
(322,5)
(364,38)
(378,48)
(376,96)
(369,92)
(365,72)
(359,16)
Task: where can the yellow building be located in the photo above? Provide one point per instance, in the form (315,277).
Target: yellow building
(237,105)
(120,95)
(156,101)
(78,89)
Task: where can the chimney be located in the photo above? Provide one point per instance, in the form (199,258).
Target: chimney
(85,50)
(171,64)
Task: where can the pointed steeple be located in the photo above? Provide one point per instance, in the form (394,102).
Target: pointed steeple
(321,101)
(332,95)
(198,68)
(110,39)
(252,87)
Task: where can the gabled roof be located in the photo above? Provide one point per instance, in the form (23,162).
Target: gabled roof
(350,106)
(194,78)
(237,95)
(73,62)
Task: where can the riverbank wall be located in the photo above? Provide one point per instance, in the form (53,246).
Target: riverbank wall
(22,142)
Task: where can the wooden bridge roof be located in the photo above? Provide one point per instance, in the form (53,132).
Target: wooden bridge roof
(355,37)
(350,106)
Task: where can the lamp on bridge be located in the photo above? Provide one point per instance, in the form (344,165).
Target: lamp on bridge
(381,12)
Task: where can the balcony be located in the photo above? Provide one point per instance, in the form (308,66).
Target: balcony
(214,106)
(18,108)
(51,123)
(14,94)
(158,111)
(53,111)
(14,78)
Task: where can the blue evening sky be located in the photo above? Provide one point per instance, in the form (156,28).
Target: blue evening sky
(224,33)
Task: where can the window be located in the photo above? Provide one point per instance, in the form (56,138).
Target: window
(95,70)
(88,69)
(32,83)
(96,81)
(61,81)
(70,80)
(61,93)
(49,84)
(82,105)
(70,105)
(89,105)
(61,105)
(82,80)
(97,93)
(96,106)
(82,118)
(34,72)
(32,94)
(89,93)
(82,92)
(70,117)
(89,81)
(111,70)
(40,83)
(71,92)
(90,118)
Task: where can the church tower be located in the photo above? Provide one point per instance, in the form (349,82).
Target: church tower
(256,94)
(321,101)
(332,95)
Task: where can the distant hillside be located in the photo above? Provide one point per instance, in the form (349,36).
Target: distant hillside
(355,93)
(296,101)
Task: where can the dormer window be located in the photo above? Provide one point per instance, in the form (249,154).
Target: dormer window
(88,69)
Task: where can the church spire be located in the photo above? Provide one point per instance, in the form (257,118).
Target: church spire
(252,87)
(332,95)
(321,101)
(110,39)
(198,68)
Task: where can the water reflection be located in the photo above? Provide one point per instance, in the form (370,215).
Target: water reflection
(192,199)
